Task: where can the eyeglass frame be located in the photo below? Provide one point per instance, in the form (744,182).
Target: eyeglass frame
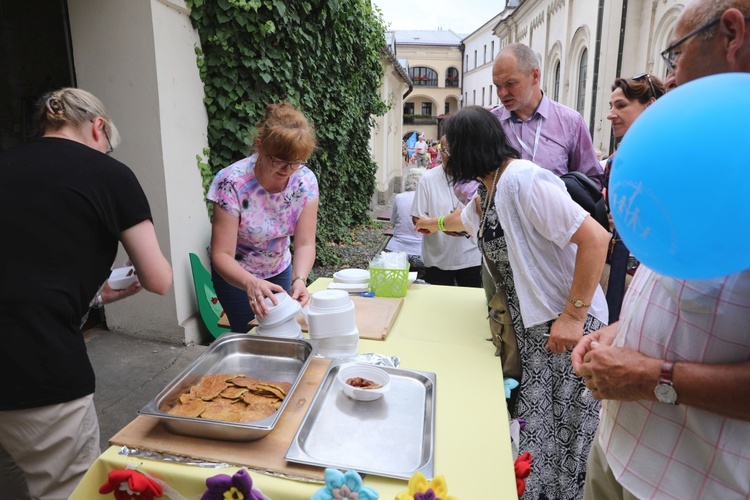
(110,149)
(671,59)
(285,164)
(650,83)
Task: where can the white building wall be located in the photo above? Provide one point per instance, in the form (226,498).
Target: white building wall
(139,58)
(560,30)
(385,137)
(477,80)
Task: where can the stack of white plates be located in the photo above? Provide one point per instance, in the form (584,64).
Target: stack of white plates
(281,320)
(351,280)
(331,321)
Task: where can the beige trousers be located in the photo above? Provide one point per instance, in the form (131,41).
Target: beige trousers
(600,481)
(44,452)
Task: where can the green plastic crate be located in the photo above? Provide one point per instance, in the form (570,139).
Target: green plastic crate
(389,282)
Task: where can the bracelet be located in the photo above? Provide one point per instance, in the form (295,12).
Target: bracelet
(441,222)
(98,301)
(298,277)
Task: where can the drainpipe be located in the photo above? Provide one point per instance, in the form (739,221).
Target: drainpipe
(620,46)
(597,52)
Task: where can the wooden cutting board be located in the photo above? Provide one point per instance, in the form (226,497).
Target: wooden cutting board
(264,455)
(374,315)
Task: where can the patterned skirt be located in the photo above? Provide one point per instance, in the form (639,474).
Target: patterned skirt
(561,416)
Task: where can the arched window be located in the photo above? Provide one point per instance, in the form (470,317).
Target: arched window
(422,76)
(556,87)
(451,77)
(582,67)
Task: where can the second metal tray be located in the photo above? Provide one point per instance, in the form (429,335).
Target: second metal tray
(393,436)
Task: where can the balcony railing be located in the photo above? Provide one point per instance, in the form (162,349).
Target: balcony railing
(420,120)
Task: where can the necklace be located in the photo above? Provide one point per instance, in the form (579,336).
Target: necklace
(488,201)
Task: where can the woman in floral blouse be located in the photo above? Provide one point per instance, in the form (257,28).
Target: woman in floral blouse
(260,203)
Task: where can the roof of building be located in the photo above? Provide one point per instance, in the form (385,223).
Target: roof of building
(427,37)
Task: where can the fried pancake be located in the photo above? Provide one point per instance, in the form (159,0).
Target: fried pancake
(233,392)
(232,398)
(224,412)
(255,412)
(244,381)
(282,387)
(185,398)
(193,408)
(211,386)
(252,398)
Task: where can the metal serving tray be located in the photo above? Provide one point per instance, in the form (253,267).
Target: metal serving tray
(266,358)
(393,436)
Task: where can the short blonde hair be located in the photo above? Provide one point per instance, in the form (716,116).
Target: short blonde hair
(285,133)
(74,107)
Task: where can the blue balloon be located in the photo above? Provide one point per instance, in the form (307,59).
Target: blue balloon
(680,184)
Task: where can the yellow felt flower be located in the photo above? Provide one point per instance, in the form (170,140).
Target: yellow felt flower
(422,489)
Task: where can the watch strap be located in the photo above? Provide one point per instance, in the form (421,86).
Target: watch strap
(577,302)
(667,372)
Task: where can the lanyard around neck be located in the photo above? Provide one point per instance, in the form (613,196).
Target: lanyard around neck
(536,137)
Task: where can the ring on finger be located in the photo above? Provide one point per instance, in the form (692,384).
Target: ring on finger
(252,301)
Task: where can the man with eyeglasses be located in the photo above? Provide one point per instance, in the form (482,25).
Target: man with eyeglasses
(674,373)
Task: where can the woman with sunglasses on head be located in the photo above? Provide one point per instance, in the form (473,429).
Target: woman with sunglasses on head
(260,203)
(630,97)
(549,254)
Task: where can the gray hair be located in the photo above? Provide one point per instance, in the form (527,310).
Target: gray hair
(412,178)
(700,12)
(72,107)
(525,57)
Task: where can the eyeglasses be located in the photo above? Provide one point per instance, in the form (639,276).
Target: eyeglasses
(669,55)
(283,164)
(109,143)
(650,83)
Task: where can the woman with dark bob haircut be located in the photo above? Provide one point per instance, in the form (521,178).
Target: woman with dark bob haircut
(548,253)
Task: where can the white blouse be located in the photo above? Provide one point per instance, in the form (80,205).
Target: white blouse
(538,217)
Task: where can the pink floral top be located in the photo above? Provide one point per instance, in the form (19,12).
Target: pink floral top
(266,220)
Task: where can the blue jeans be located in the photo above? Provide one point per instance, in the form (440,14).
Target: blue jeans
(235,302)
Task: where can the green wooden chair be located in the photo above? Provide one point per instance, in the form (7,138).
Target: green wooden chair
(208,303)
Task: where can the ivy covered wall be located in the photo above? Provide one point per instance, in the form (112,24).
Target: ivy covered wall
(322,55)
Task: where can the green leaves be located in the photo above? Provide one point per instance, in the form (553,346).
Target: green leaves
(322,55)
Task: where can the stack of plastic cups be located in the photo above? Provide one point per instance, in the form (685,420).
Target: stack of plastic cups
(281,320)
(331,321)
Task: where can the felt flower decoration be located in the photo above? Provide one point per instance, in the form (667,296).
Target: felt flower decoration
(344,486)
(522,467)
(236,487)
(422,489)
(129,484)
(510,384)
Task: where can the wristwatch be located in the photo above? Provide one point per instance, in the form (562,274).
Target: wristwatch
(304,280)
(664,390)
(577,302)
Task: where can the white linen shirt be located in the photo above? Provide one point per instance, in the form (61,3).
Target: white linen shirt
(538,217)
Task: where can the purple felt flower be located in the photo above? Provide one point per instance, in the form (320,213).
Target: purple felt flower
(237,487)
(427,495)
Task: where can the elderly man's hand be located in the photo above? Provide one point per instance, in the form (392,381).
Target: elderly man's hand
(618,373)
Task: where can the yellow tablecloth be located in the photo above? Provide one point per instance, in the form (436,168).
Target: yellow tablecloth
(441,330)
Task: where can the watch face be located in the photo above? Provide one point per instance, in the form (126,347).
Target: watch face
(578,303)
(665,393)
